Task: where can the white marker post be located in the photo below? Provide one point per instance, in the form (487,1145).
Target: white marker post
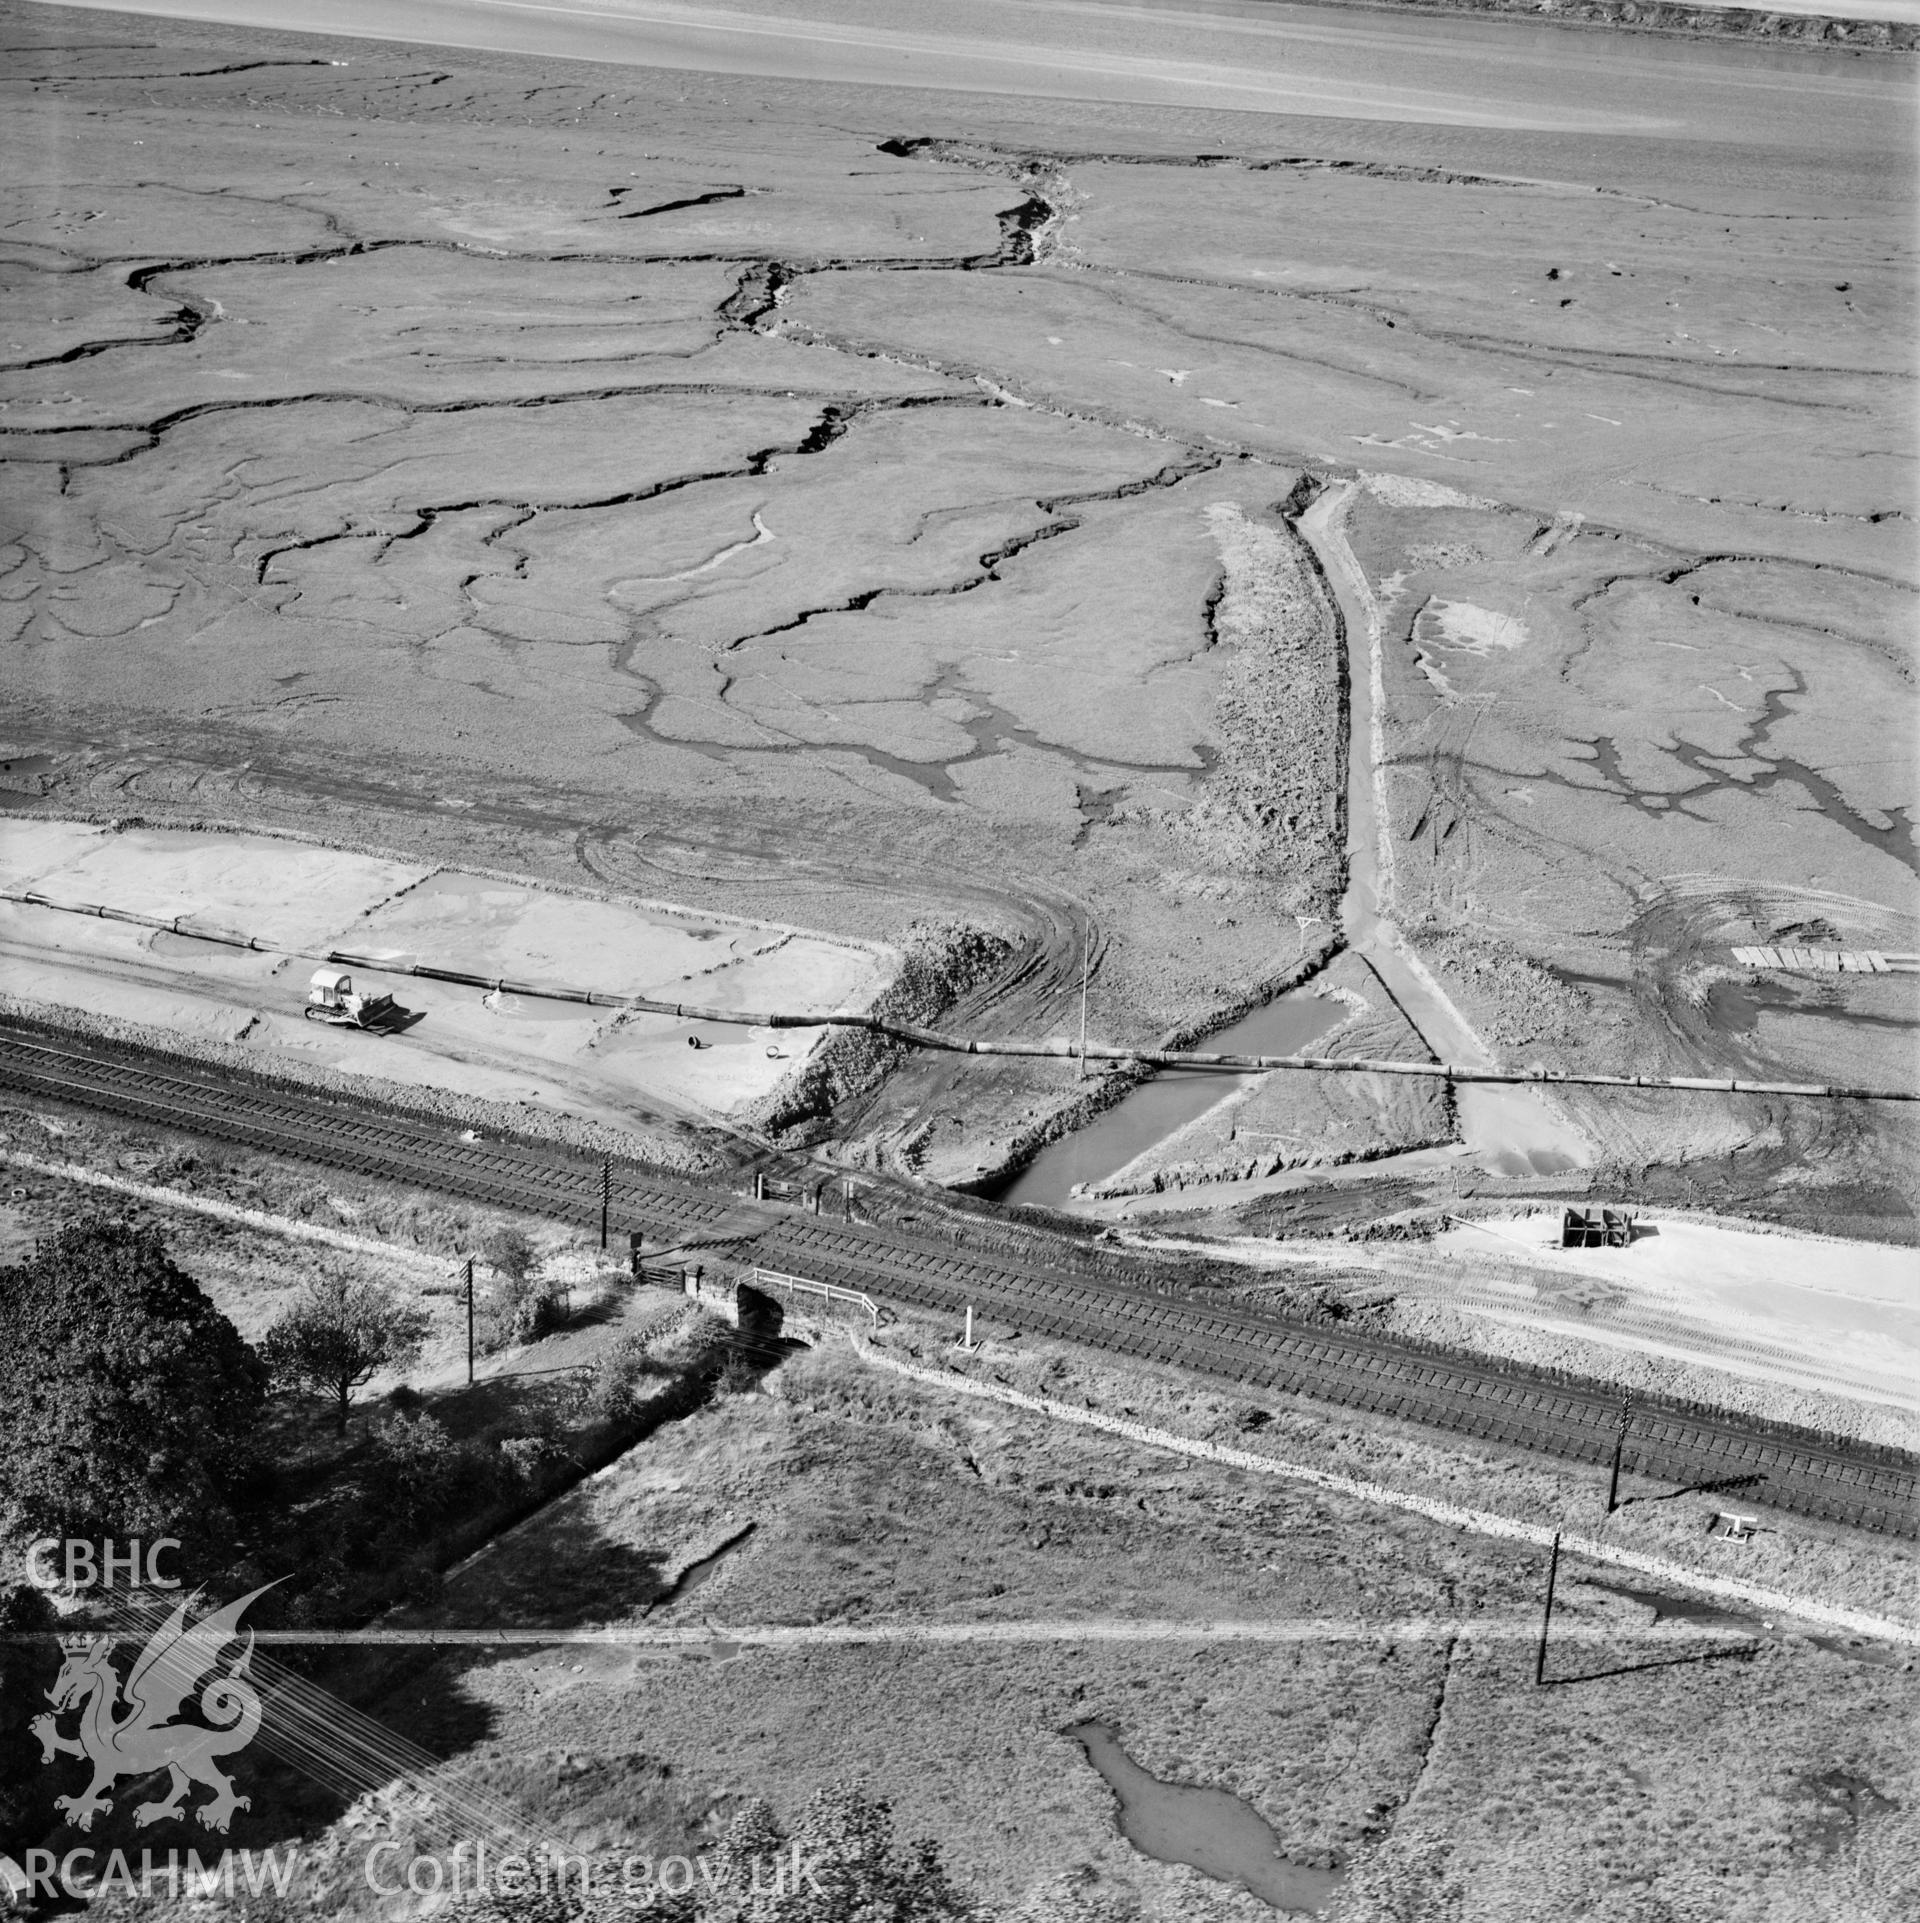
(1086,962)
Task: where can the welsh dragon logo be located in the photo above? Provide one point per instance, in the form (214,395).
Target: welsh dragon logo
(143,1740)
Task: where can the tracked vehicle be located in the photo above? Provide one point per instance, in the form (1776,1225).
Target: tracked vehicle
(331,999)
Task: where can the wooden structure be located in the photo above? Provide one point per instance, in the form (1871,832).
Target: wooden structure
(1829,961)
(1596,1229)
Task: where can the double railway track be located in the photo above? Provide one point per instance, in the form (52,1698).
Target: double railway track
(1262,1354)
(1442,1390)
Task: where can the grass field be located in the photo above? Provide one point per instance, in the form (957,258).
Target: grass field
(1763,1778)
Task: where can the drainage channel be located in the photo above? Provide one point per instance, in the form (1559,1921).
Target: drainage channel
(1167,1101)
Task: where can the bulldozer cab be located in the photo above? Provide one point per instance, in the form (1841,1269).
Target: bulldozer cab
(331,999)
(329,988)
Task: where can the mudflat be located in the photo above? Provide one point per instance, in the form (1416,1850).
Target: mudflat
(849,471)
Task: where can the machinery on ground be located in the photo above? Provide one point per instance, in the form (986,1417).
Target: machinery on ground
(331,999)
(1596,1228)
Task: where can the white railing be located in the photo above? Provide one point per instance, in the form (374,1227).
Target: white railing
(773,1282)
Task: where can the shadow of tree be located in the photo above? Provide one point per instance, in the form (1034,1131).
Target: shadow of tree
(565,1574)
(405,1726)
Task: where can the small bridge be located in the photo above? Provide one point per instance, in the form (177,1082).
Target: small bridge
(829,1295)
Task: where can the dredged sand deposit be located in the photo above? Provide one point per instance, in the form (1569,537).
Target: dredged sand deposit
(301,902)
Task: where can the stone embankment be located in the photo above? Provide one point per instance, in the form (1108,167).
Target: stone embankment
(1660,16)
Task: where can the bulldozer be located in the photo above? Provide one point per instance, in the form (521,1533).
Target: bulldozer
(331,998)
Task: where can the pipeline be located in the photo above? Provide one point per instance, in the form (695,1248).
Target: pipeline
(1059,1049)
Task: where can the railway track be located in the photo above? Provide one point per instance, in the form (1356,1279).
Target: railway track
(1260,1353)
(1447,1391)
(343,1133)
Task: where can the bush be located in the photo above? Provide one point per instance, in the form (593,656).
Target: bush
(420,1477)
(856,1873)
(529,1460)
(617,1377)
(509,1252)
(518,1307)
(697,1341)
(738,1376)
(516,1310)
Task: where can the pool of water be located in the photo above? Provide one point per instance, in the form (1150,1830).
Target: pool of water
(27,774)
(1169,1100)
(1210,1830)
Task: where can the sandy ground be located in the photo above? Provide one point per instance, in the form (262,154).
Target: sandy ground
(1833,1320)
(1245,59)
(504,1047)
(1826,1313)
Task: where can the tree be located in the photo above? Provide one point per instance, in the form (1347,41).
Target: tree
(26,1668)
(131,1401)
(852,1871)
(339,1336)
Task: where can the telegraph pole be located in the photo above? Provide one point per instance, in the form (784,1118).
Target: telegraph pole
(1619,1445)
(1086,963)
(606,1195)
(1546,1618)
(469,1322)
